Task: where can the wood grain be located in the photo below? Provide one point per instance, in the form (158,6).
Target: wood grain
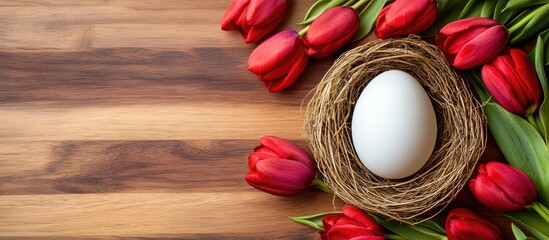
(134,119)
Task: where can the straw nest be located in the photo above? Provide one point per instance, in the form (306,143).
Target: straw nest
(460,138)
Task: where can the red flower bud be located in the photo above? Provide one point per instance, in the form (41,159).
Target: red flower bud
(330,31)
(280,167)
(405,17)
(254,18)
(471,42)
(279,60)
(503,188)
(352,224)
(462,224)
(513,82)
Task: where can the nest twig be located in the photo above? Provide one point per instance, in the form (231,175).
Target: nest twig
(460,138)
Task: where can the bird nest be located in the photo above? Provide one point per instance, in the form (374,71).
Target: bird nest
(460,141)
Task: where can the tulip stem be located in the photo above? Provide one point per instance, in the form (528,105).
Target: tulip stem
(320,184)
(359,4)
(541,210)
(533,122)
(303,31)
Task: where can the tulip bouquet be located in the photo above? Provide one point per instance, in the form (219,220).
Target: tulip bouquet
(280,59)
(480,39)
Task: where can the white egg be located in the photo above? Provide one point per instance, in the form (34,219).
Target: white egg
(394,126)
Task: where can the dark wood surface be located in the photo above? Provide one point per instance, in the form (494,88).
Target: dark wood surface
(123,119)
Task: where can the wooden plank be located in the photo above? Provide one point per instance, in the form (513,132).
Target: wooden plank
(65,25)
(124,76)
(150,214)
(145,122)
(125,166)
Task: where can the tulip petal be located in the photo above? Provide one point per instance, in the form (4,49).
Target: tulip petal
(405,17)
(363,218)
(283,83)
(482,48)
(455,42)
(348,231)
(287,150)
(471,229)
(422,22)
(285,174)
(331,30)
(265,12)
(233,13)
(329,221)
(462,224)
(404,13)
(257,156)
(264,150)
(466,24)
(527,73)
(506,66)
(455,35)
(500,89)
(256,33)
(381,30)
(273,52)
(367,238)
(262,17)
(282,71)
(516,80)
(251,179)
(514,183)
(491,195)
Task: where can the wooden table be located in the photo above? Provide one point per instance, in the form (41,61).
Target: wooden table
(135,119)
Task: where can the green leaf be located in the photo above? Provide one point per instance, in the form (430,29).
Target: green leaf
(488,8)
(465,11)
(368,18)
(318,8)
(314,221)
(443,5)
(426,230)
(520,16)
(537,21)
(405,230)
(474,77)
(531,222)
(473,8)
(545,37)
(502,15)
(522,146)
(434,225)
(516,4)
(540,70)
(519,235)
(446,15)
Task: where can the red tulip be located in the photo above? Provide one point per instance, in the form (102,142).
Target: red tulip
(280,167)
(503,188)
(462,224)
(405,17)
(254,18)
(513,82)
(330,31)
(352,224)
(471,42)
(279,60)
